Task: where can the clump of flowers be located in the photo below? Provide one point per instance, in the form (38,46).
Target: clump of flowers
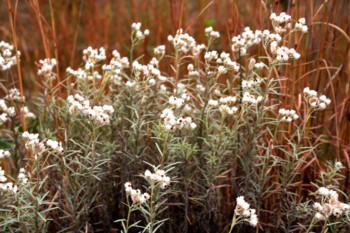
(159,51)
(158,177)
(22,177)
(280,22)
(28,114)
(55,145)
(46,67)
(92,56)
(81,106)
(136,196)
(9,186)
(171,122)
(137,33)
(243,210)
(33,143)
(249,84)
(183,42)
(329,205)
(13,94)
(315,101)
(283,54)
(4,154)
(243,213)
(209,32)
(116,67)
(7,59)
(242,42)
(8,112)
(287,115)
(225,105)
(301,25)
(251,99)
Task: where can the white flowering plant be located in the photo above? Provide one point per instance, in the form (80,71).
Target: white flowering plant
(328,212)
(215,121)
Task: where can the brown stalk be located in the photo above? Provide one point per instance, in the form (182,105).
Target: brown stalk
(198,15)
(12,16)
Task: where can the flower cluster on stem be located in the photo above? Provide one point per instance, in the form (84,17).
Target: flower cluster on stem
(7,59)
(81,106)
(329,205)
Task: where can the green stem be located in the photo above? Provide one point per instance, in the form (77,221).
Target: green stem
(129,214)
(311,225)
(233,223)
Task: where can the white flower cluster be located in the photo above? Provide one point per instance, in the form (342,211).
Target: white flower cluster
(172,123)
(209,32)
(330,204)
(270,37)
(198,49)
(7,60)
(287,115)
(2,176)
(22,177)
(226,103)
(283,54)
(115,67)
(259,65)
(200,88)
(158,177)
(243,209)
(159,51)
(227,62)
(92,56)
(251,83)
(13,94)
(9,186)
(338,165)
(4,154)
(55,145)
(81,106)
(79,73)
(211,55)
(191,71)
(280,22)
(251,99)
(136,196)
(33,143)
(246,39)
(301,25)
(176,101)
(183,42)
(46,67)
(318,103)
(149,71)
(28,114)
(8,112)
(136,31)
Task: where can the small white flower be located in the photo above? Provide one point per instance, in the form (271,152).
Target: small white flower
(212,102)
(193,125)
(323,191)
(320,216)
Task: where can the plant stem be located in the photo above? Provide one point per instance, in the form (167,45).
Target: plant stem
(233,223)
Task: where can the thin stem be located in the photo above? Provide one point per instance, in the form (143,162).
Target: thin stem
(19,73)
(233,223)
